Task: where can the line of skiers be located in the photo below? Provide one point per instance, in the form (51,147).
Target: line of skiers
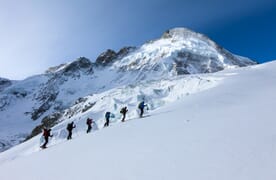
(70,126)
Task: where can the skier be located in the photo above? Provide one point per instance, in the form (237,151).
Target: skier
(89,124)
(107,117)
(123,111)
(70,127)
(46,134)
(141,106)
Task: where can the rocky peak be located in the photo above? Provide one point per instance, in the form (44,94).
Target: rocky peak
(106,57)
(179,33)
(81,63)
(186,35)
(125,50)
(55,69)
(180,51)
(110,55)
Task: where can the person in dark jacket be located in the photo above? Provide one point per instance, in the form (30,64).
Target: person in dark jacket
(89,124)
(141,106)
(123,111)
(107,118)
(46,134)
(70,128)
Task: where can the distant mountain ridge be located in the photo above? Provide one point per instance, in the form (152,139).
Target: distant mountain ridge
(42,100)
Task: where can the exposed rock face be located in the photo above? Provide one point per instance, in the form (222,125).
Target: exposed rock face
(80,65)
(110,56)
(4,83)
(48,99)
(48,122)
(55,68)
(48,94)
(4,101)
(106,57)
(125,51)
(187,62)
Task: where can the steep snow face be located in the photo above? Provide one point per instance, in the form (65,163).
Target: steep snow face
(225,132)
(24,104)
(16,103)
(180,51)
(43,100)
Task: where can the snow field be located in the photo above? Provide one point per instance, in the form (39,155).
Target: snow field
(226,132)
(155,93)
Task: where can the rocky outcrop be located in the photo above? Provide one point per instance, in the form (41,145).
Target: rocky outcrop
(55,69)
(47,101)
(110,56)
(48,94)
(125,51)
(106,57)
(82,64)
(179,51)
(4,83)
(47,122)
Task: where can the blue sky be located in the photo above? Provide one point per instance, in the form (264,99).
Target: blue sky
(35,35)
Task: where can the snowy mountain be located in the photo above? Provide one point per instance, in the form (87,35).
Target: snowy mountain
(218,126)
(180,51)
(4,83)
(72,91)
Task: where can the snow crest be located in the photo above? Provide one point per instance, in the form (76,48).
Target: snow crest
(178,53)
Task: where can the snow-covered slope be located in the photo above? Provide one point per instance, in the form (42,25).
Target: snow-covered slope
(225,132)
(47,99)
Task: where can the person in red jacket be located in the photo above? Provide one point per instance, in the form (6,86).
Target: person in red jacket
(46,134)
(89,124)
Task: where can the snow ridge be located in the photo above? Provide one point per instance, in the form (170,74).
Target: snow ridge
(36,100)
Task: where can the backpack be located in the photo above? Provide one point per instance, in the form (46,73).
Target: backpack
(123,110)
(69,126)
(141,105)
(107,115)
(89,121)
(45,132)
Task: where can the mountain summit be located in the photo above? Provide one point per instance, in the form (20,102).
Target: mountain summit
(181,51)
(66,90)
